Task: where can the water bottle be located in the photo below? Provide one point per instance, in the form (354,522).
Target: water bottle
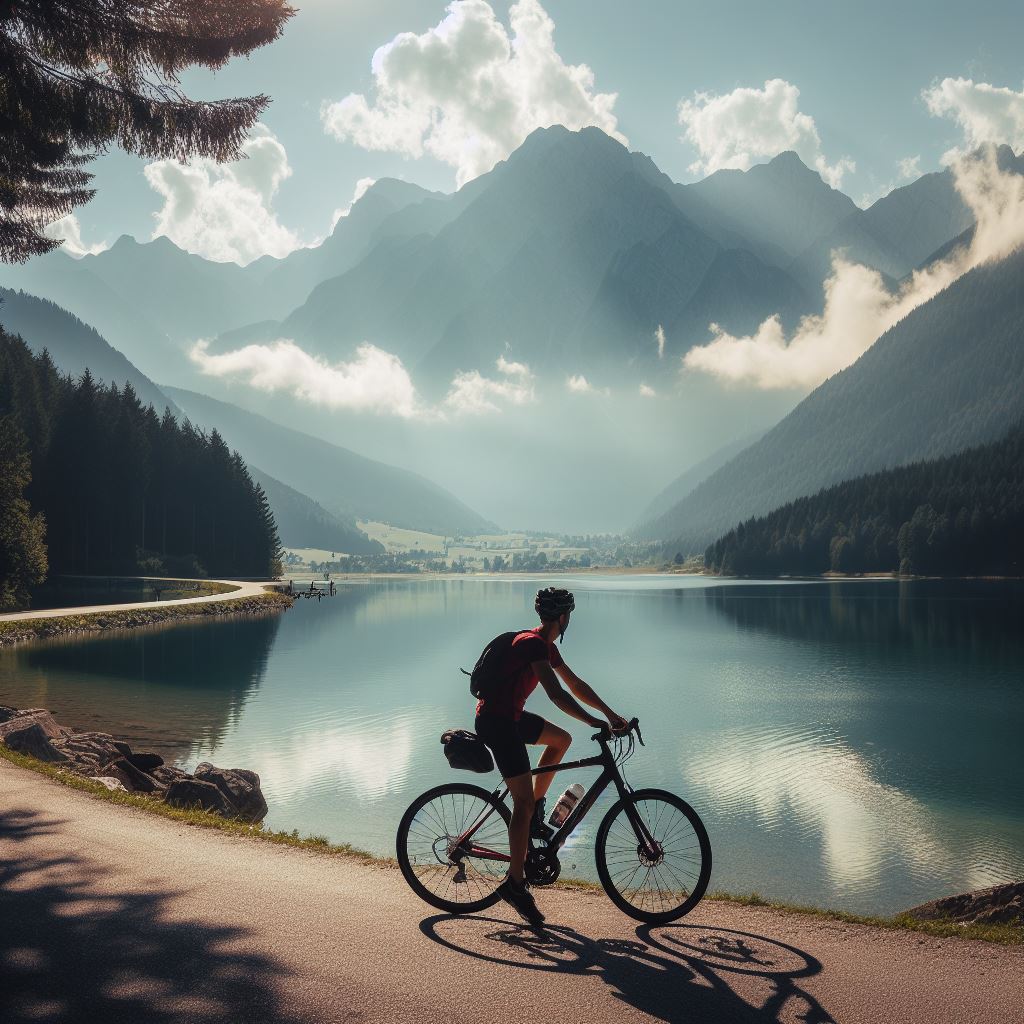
(566,802)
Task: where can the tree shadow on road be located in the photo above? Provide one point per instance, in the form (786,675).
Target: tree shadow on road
(674,973)
(77,948)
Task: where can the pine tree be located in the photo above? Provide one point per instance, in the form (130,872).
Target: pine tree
(22,534)
(79,75)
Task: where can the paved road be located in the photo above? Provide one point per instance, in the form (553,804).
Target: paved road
(243,590)
(108,914)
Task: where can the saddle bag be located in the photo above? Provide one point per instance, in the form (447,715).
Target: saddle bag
(466,751)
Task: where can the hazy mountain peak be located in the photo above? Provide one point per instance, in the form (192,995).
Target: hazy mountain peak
(783,202)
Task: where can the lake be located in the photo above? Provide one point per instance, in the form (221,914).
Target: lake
(852,744)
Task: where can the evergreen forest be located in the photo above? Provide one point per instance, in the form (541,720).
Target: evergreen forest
(114,488)
(962,515)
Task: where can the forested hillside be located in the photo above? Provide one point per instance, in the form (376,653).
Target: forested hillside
(123,490)
(960,515)
(72,344)
(949,376)
(346,484)
(305,523)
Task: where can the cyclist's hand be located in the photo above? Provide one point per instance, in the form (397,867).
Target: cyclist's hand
(618,724)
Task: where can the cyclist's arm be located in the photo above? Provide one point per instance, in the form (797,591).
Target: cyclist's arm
(584,692)
(560,698)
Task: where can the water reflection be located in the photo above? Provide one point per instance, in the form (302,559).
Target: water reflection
(165,686)
(852,743)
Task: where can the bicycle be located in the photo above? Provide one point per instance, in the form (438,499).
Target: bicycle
(652,851)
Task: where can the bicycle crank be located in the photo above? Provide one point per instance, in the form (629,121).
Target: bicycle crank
(542,866)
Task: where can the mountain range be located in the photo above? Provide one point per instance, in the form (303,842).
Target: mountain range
(575,256)
(302,522)
(947,377)
(569,255)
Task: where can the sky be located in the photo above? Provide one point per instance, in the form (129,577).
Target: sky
(694,85)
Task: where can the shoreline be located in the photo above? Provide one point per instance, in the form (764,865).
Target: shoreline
(1007,935)
(43,626)
(828,577)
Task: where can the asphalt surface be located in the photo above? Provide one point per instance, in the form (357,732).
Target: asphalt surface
(243,590)
(109,914)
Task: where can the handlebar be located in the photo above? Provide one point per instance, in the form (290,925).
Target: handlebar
(606,733)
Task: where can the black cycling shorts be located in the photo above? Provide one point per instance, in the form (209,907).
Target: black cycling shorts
(507,739)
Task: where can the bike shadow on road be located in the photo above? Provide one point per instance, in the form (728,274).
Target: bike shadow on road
(677,973)
(77,945)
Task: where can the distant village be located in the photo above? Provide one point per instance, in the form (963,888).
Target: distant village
(411,551)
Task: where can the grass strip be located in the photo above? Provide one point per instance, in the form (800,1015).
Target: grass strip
(1002,934)
(188,816)
(19,630)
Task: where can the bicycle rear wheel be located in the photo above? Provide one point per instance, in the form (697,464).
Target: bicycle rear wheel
(459,877)
(662,883)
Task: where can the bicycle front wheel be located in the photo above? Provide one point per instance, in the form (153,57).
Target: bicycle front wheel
(660,880)
(444,864)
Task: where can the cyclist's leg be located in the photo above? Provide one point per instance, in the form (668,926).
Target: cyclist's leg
(521,790)
(536,731)
(503,737)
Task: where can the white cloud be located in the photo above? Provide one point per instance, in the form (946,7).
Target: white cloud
(374,381)
(579,385)
(659,337)
(69,230)
(647,391)
(910,168)
(468,91)
(739,128)
(363,185)
(511,369)
(472,393)
(858,307)
(984,112)
(224,212)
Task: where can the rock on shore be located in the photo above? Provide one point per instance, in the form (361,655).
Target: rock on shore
(999,904)
(229,792)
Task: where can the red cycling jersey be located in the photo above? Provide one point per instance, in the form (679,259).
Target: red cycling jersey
(527,648)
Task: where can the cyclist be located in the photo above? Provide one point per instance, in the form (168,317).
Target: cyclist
(504,725)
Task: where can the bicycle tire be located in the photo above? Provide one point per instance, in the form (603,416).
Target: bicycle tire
(409,861)
(614,864)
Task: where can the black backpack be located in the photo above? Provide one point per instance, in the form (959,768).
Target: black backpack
(489,671)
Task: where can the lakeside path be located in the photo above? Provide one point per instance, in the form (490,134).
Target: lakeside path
(243,590)
(111,914)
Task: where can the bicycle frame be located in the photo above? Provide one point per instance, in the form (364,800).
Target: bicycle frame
(609,775)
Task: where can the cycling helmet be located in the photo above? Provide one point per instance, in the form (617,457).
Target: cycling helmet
(552,603)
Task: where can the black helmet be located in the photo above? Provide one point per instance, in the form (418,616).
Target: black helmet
(552,603)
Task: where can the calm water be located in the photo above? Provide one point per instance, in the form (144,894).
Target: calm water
(853,744)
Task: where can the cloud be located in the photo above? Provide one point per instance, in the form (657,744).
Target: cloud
(739,128)
(224,211)
(472,393)
(468,91)
(647,391)
(579,385)
(985,113)
(69,230)
(363,185)
(858,307)
(374,381)
(659,337)
(910,168)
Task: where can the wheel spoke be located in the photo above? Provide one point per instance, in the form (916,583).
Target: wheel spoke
(431,827)
(651,884)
